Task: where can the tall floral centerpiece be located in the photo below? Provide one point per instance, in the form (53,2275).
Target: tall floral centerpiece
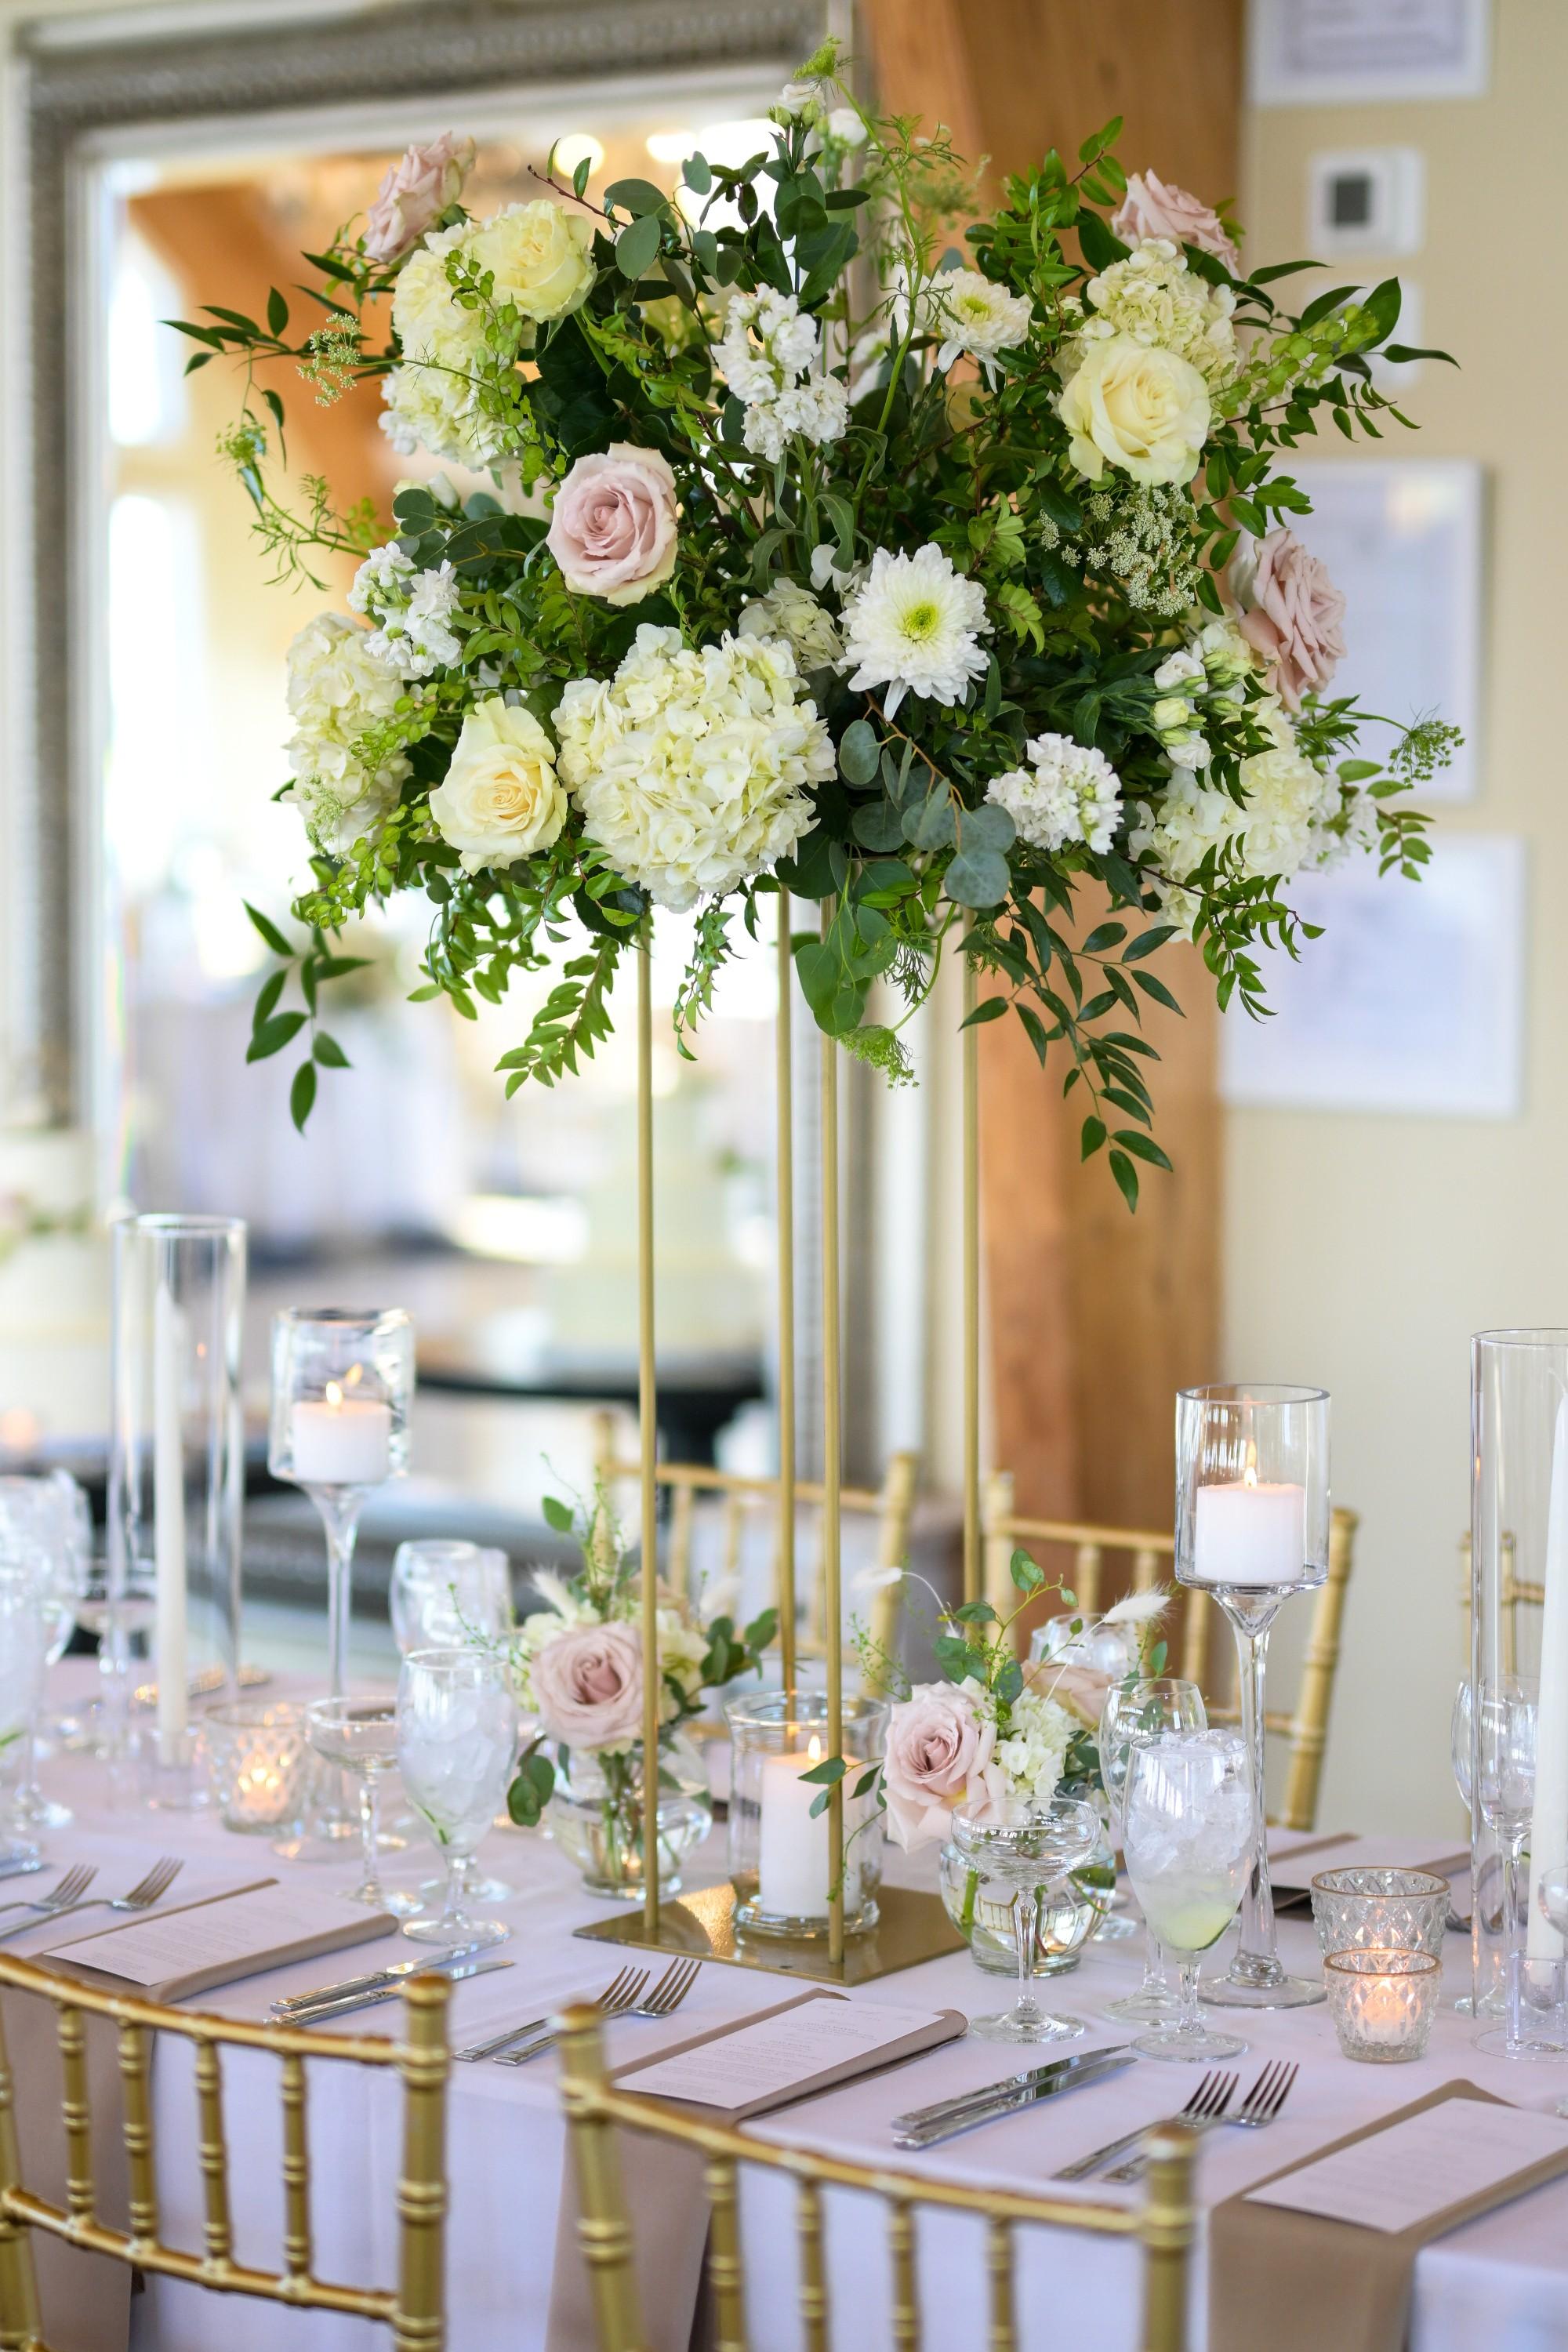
(578,1667)
(779,529)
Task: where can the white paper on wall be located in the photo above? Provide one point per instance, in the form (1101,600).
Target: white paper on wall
(1328,52)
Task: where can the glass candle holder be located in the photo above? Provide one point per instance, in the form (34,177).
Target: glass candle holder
(1252,1528)
(258,1765)
(1081,1639)
(1383,2003)
(779,1860)
(1372,1910)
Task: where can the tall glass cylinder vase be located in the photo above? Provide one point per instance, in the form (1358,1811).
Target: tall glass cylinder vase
(1252,1528)
(1519,1642)
(177,1468)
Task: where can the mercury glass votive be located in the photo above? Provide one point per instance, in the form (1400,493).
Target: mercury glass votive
(1383,2003)
(258,1764)
(1367,1909)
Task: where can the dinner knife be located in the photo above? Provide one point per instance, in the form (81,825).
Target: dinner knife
(1053,2069)
(368,1999)
(1014,2101)
(394,1973)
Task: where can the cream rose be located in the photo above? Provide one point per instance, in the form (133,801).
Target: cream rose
(1291,614)
(541,257)
(613,526)
(416,192)
(500,798)
(939,1762)
(587,1687)
(1144,411)
(1156,207)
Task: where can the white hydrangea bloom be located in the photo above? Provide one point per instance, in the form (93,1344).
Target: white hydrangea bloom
(338,693)
(1275,829)
(913,626)
(435,407)
(1034,1751)
(969,313)
(1346,828)
(694,769)
(1069,793)
(1156,300)
(791,612)
(765,351)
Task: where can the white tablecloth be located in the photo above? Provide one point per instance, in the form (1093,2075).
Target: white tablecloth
(1500,2282)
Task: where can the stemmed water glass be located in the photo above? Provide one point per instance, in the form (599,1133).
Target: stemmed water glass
(1159,1703)
(24,1649)
(449,1594)
(360,1737)
(1029,1854)
(1502,1750)
(48,1517)
(457,1743)
(1187,1836)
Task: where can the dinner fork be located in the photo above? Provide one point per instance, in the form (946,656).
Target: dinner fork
(76,1882)
(662,2001)
(1261,2106)
(146,1891)
(1207,2104)
(616,1998)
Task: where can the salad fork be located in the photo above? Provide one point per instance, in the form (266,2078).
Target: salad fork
(662,2001)
(616,1998)
(1261,2106)
(1207,2104)
(147,1891)
(75,1882)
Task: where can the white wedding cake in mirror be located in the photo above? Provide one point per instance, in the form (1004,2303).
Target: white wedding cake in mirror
(54,1290)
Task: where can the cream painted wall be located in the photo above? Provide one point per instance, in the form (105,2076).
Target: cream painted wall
(1362,1252)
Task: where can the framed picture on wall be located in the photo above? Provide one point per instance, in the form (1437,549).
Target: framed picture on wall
(1337,52)
(1412,1001)
(1403,539)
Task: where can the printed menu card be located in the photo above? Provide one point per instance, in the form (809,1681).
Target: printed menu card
(786,2052)
(175,1953)
(1413,2170)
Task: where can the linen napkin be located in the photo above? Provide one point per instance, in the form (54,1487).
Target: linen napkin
(1300,2282)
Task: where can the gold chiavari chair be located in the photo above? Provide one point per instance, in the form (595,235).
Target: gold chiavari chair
(888,1509)
(1514,1592)
(1163,2226)
(1193,1619)
(413,2309)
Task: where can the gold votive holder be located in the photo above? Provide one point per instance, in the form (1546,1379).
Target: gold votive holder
(1383,2003)
(258,1765)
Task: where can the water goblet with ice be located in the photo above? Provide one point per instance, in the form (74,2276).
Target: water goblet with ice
(1159,1703)
(1187,1836)
(456,1741)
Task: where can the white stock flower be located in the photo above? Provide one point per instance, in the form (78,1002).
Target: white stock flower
(692,768)
(1034,1751)
(1156,300)
(967,312)
(791,612)
(767,348)
(413,609)
(337,694)
(913,625)
(1069,793)
(425,312)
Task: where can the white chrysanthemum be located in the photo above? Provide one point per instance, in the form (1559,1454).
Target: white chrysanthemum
(1156,299)
(337,694)
(1034,1751)
(692,768)
(791,612)
(968,313)
(1069,792)
(765,351)
(413,610)
(912,626)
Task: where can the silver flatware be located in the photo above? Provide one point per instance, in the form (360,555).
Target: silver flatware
(931,2135)
(620,1990)
(210,1680)
(146,1891)
(378,1993)
(1258,2109)
(394,1973)
(20,1869)
(624,2000)
(1208,2101)
(943,2108)
(670,1991)
(60,1898)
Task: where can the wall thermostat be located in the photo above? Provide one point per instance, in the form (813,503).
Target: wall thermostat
(1366,200)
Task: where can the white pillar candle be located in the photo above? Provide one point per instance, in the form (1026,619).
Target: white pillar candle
(169,1526)
(1249,1533)
(1549,1820)
(793,1863)
(341,1441)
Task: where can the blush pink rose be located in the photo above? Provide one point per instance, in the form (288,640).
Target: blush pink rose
(1082,1690)
(1291,614)
(939,1762)
(416,192)
(1154,208)
(587,1687)
(613,529)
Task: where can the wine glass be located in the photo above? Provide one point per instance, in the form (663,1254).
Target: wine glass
(1159,1703)
(449,1594)
(1504,1749)
(456,1741)
(1187,1833)
(24,1650)
(1029,1854)
(360,1737)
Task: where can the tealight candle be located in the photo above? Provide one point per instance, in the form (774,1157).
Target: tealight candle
(1248,1532)
(1383,2003)
(341,1440)
(257,1763)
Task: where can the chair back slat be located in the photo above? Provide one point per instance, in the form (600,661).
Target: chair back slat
(213,2154)
(136,2130)
(1197,1624)
(813,2272)
(726,2276)
(678,1552)
(19,2316)
(906,2290)
(1087,1567)
(82,2194)
(296,2171)
(1002,2333)
(424,2063)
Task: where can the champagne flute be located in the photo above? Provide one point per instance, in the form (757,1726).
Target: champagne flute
(457,1742)
(1030,1854)
(1187,1834)
(1159,1703)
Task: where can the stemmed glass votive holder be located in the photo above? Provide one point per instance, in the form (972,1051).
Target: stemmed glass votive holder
(1252,1528)
(359,1737)
(1027,1856)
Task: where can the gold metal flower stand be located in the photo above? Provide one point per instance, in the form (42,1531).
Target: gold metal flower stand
(913,1925)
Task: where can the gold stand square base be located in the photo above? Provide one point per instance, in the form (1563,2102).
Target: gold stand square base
(912,1927)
